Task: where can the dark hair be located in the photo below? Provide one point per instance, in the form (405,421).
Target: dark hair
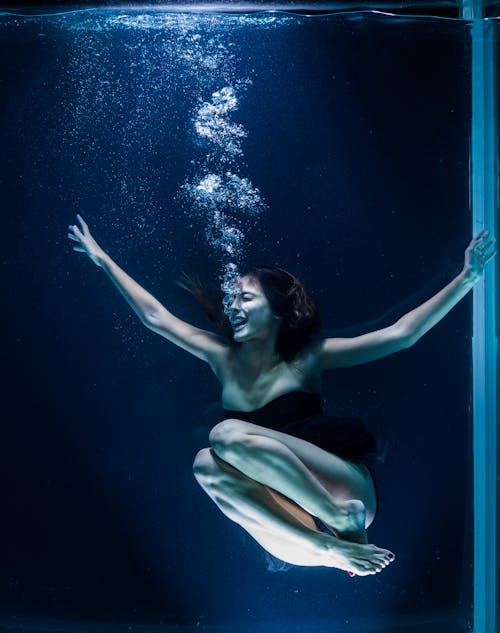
(287,297)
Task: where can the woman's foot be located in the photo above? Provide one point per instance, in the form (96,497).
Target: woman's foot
(356,558)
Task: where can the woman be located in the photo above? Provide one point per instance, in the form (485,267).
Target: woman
(304,504)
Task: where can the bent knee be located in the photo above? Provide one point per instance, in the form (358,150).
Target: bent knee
(204,465)
(226,435)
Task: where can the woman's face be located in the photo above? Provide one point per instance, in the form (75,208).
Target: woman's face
(249,311)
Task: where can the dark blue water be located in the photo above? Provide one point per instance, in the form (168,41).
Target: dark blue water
(356,136)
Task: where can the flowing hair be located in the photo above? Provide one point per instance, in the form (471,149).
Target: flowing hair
(287,298)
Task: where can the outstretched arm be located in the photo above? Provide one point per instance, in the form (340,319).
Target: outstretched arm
(203,344)
(344,352)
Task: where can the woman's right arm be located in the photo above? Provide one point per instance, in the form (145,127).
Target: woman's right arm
(203,344)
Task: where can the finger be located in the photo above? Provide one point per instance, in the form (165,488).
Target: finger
(79,249)
(481,233)
(490,245)
(73,237)
(477,239)
(482,246)
(82,222)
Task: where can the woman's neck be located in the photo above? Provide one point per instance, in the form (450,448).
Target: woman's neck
(258,356)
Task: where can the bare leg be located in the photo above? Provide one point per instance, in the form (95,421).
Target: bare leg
(268,460)
(283,529)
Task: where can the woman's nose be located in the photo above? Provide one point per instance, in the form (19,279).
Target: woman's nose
(233,305)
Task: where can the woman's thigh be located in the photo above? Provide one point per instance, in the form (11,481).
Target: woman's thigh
(343,479)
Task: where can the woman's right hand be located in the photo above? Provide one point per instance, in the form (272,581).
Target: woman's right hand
(86,243)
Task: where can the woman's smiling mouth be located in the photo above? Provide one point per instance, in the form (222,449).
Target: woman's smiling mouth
(238,323)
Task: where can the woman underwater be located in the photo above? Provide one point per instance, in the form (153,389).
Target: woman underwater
(302,499)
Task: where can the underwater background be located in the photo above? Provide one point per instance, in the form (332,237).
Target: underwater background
(338,146)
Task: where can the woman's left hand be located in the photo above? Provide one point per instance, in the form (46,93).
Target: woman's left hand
(478,254)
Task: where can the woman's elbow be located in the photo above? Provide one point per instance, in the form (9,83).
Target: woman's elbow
(150,319)
(404,336)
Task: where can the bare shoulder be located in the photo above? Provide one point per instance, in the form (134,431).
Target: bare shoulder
(307,360)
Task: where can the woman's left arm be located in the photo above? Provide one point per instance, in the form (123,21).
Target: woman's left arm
(420,320)
(329,353)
